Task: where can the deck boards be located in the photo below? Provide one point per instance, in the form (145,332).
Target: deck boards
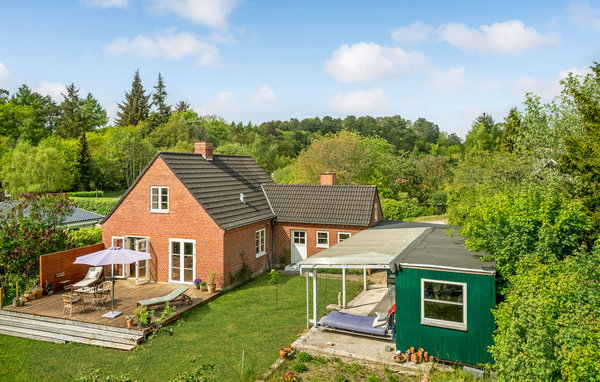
(127,294)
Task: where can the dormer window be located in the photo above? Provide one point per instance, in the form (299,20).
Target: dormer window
(159,200)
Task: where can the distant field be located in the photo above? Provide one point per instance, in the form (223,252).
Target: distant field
(114,194)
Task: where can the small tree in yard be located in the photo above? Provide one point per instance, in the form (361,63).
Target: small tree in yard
(30,228)
(274,280)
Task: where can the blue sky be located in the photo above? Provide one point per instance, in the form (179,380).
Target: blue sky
(263,60)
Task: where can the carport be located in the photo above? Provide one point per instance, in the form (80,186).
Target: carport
(379,247)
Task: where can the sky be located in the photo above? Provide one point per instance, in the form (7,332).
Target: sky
(251,60)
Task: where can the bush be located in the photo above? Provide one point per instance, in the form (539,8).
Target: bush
(87,194)
(299,367)
(400,209)
(101,206)
(304,357)
(86,236)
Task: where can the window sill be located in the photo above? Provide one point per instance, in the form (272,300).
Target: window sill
(322,245)
(444,324)
(260,254)
(159,211)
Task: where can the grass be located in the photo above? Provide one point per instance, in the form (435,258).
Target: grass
(242,320)
(114,194)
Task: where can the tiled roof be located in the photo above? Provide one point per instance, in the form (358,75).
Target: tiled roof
(76,216)
(317,204)
(217,185)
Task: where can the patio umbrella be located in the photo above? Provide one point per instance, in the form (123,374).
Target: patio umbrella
(111,256)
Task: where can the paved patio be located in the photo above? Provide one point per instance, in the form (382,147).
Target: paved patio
(127,294)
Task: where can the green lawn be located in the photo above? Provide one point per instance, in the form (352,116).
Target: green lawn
(241,320)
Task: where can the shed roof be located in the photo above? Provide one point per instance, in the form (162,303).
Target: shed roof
(77,215)
(393,244)
(322,204)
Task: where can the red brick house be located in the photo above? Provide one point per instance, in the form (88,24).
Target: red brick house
(200,212)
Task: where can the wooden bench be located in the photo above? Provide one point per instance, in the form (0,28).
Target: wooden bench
(64,283)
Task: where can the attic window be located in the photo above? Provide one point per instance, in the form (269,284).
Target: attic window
(159,199)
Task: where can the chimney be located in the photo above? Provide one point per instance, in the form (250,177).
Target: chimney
(328,179)
(204,148)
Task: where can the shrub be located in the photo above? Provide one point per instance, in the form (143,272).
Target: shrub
(299,367)
(403,208)
(86,236)
(101,206)
(304,357)
(87,194)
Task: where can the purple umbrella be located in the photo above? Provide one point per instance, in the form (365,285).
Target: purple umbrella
(111,256)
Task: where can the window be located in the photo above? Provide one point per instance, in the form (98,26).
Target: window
(343,236)
(182,261)
(322,239)
(260,242)
(159,199)
(443,304)
(375,212)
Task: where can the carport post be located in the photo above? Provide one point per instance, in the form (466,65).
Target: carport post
(307,303)
(365,277)
(314,297)
(343,286)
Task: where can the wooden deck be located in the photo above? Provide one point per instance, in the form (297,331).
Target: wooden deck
(127,294)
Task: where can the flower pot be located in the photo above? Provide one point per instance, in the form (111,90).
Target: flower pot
(212,288)
(399,358)
(425,357)
(130,323)
(430,358)
(37,293)
(204,288)
(29,296)
(414,359)
(283,352)
(412,350)
(15,304)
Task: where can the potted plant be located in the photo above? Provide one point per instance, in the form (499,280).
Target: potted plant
(16,302)
(29,294)
(144,316)
(48,288)
(197,283)
(130,320)
(203,286)
(37,291)
(22,301)
(211,281)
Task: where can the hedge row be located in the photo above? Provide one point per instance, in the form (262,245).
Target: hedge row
(100,206)
(87,194)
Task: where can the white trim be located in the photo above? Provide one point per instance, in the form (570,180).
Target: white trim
(343,233)
(160,210)
(440,267)
(317,239)
(181,269)
(444,323)
(112,267)
(262,244)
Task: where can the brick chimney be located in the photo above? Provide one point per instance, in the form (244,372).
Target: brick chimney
(328,179)
(204,148)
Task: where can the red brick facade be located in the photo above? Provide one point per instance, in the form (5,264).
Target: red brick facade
(215,248)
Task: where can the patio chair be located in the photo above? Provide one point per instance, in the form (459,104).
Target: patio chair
(92,277)
(61,280)
(101,297)
(175,295)
(71,301)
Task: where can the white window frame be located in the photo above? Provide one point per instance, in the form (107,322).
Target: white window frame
(171,240)
(160,210)
(261,249)
(376,212)
(344,233)
(443,323)
(317,239)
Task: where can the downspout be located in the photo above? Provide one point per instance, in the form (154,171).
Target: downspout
(272,243)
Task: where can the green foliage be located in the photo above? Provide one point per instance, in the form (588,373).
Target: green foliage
(136,106)
(304,357)
(299,367)
(243,275)
(87,194)
(86,236)
(101,206)
(484,135)
(84,162)
(96,376)
(203,372)
(400,209)
(78,115)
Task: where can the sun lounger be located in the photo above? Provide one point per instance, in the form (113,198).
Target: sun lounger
(92,277)
(352,323)
(176,295)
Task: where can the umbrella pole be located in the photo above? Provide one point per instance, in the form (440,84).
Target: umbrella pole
(112,313)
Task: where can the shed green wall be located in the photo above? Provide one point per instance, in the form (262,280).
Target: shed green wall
(454,345)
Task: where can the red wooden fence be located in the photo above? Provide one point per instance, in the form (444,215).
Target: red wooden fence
(59,262)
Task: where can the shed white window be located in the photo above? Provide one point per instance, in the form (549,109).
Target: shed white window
(159,199)
(343,236)
(322,239)
(260,243)
(444,304)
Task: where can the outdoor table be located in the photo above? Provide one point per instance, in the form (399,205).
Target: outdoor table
(94,292)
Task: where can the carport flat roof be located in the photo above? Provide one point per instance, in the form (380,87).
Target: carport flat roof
(393,244)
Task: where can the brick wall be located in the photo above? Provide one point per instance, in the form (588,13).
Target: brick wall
(186,220)
(59,262)
(242,239)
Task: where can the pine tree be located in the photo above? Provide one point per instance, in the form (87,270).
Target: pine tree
(182,106)
(70,123)
(136,106)
(512,129)
(83,162)
(159,100)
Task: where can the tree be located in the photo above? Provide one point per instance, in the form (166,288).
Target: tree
(84,162)
(159,100)
(484,134)
(78,115)
(511,131)
(136,107)
(182,106)
(274,279)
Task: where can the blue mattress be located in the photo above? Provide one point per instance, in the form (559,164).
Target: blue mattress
(353,323)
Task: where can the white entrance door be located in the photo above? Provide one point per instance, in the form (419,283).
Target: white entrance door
(119,270)
(182,261)
(142,268)
(298,246)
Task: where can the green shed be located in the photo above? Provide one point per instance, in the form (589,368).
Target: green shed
(444,299)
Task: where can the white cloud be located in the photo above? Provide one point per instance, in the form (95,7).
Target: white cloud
(413,34)
(52,89)
(263,94)
(506,38)
(167,45)
(546,88)
(211,13)
(583,15)
(368,61)
(107,3)
(4,75)
(361,101)
(446,81)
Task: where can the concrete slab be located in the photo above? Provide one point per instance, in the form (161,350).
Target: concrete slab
(368,300)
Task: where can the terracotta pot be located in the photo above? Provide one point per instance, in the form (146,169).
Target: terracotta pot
(29,296)
(414,359)
(130,323)
(420,350)
(425,356)
(412,350)
(37,293)
(399,358)
(431,358)
(283,352)
(203,288)
(419,357)
(212,288)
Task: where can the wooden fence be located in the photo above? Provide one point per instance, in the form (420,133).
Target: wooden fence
(58,262)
